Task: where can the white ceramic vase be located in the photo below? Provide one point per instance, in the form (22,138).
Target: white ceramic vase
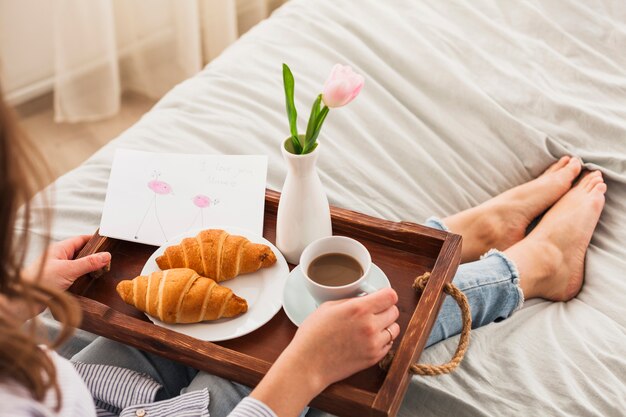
(303,210)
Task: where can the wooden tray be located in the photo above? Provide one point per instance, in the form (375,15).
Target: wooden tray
(402,250)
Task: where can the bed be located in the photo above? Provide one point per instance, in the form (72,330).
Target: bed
(462,100)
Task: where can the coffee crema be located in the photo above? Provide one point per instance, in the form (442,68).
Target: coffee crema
(335,269)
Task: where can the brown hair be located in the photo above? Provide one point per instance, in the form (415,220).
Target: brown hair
(22,173)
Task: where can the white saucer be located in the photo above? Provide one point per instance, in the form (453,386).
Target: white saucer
(298,303)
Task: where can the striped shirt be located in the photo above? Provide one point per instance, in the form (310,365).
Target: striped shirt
(114,392)
(251,407)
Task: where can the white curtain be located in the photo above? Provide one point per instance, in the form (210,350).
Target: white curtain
(105,47)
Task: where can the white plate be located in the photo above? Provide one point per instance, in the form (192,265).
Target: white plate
(261,289)
(298,303)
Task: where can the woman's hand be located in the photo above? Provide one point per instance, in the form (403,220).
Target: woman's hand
(60,270)
(339,339)
(343,337)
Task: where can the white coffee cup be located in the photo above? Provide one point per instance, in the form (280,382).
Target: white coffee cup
(343,245)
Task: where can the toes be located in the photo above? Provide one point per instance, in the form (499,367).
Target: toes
(573,168)
(600,188)
(586,178)
(597,196)
(558,164)
(591,180)
(568,171)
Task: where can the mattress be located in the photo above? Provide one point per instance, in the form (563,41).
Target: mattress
(462,101)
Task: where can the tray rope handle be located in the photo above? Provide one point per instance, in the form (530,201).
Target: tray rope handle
(432,370)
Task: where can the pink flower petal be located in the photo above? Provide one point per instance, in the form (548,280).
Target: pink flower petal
(342,86)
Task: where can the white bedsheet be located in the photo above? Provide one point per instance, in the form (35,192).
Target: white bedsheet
(462,101)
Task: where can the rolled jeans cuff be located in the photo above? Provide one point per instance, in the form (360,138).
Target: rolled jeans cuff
(436,223)
(491,285)
(514,274)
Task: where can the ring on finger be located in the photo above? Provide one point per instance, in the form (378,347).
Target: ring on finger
(390,336)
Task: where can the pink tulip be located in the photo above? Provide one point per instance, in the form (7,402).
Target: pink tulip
(342,86)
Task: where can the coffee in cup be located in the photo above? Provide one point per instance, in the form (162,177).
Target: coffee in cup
(336,267)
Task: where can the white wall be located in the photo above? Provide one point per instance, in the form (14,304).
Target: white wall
(26,64)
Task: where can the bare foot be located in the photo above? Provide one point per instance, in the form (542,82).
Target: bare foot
(551,259)
(502,221)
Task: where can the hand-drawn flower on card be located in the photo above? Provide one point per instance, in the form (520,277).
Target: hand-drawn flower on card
(203,202)
(158,187)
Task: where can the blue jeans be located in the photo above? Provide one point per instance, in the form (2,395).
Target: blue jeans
(491,285)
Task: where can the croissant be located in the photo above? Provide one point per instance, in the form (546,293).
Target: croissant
(181,296)
(218,255)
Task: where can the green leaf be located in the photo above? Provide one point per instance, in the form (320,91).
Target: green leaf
(292,114)
(320,121)
(297,146)
(321,116)
(315,110)
(310,149)
(292,146)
